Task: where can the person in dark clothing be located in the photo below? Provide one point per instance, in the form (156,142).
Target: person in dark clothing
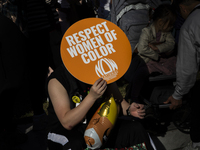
(65,127)
(44,37)
(13,76)
(187,66)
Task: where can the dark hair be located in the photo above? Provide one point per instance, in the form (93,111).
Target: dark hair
(164,12)
(176,3)
(185,2)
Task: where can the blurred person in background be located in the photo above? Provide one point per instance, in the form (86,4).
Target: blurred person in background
(187,66)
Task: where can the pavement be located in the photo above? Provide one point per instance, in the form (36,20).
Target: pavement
(172,140)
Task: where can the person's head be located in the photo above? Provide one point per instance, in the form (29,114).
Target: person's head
(164,17)
(186,6)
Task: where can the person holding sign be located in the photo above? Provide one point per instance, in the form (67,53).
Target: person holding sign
(70,108)
(95,53)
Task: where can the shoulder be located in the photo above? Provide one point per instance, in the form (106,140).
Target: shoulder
(192,21)
(149,30)
(60,76)
(145,33)
(55,86)
(57,90)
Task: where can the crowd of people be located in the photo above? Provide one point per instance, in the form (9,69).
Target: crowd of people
(30,35)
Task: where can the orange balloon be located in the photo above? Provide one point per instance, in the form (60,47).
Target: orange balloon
(95,48)
(101,124)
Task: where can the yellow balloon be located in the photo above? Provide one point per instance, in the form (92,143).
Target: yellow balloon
(101,124)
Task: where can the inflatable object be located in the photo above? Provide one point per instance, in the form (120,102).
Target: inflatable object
(101,124)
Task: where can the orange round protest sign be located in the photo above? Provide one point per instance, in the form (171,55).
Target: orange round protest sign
(95,48)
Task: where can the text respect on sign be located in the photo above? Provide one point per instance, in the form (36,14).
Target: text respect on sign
(89,43)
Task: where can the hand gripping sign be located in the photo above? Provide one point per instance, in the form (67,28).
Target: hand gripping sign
(95,48)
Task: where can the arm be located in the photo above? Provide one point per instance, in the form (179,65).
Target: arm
(61,102)
(136,110)
(186,67)
(168,45)
(143,46)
